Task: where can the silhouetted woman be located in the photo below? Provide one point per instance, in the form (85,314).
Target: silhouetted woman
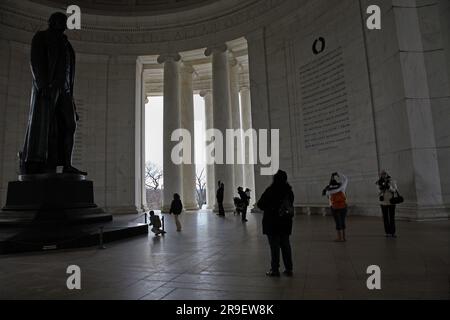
(277,204)
(176,207)
(219,197)
(245,202)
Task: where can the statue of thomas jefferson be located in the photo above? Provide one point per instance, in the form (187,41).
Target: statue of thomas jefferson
(52,120)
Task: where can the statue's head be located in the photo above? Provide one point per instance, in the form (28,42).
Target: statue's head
(58,22)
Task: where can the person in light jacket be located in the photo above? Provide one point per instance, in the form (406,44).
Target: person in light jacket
(335,191)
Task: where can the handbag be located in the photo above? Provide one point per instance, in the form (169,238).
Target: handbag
(396,198)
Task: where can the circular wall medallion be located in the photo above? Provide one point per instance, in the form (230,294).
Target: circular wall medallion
(318,45)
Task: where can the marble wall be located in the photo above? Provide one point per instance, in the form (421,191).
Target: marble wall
(105,89)
(396,88)
(15,97)
(408,67)
(292,69)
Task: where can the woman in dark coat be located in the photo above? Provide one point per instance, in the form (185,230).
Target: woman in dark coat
(276,225)
(219,197)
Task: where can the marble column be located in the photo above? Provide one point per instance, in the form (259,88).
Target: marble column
(236,123)
(139,139)
(209,124)
(187,122)
(222,117)
(171,122)
(248,147)
(259,90)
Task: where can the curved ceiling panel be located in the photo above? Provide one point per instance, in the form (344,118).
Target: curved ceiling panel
(129,7)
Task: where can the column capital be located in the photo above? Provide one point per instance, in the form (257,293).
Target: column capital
(216,49)
(255,35)
(244,88)
(187,68)
(235,65)
(174,56)
(233,62)
(204,93)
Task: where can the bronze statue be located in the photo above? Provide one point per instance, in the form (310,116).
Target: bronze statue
(52,120)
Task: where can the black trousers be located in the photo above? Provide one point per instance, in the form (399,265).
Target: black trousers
(339,217)
(276,243)
(221,209)
(244,213)
(389,218)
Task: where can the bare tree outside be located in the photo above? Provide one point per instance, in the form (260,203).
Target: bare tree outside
(153,176)
(200,182)
(153,185)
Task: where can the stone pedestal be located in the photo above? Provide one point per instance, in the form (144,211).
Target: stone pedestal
(57,211)
(67,198)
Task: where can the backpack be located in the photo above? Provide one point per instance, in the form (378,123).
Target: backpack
(155,221)
(286,208)
(338,200)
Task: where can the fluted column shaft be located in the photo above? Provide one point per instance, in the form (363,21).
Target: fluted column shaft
(236,123)
(209,124)
(222,117)
(246,113)
(171,122)
(187,122)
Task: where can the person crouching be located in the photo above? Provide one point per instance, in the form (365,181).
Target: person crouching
(155,221)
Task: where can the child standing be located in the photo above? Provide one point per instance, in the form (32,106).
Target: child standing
(176,207)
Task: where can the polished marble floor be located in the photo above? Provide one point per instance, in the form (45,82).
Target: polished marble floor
(221,258)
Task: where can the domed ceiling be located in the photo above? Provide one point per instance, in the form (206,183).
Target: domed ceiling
(128,7)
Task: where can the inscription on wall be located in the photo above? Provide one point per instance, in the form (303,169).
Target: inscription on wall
(325,111)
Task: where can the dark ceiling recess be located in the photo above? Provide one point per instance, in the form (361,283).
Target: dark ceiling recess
(125,7)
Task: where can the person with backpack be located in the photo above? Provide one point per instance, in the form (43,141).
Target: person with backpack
(155,221)
(277,203)
(335,191)
(176,207)
(388,197)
